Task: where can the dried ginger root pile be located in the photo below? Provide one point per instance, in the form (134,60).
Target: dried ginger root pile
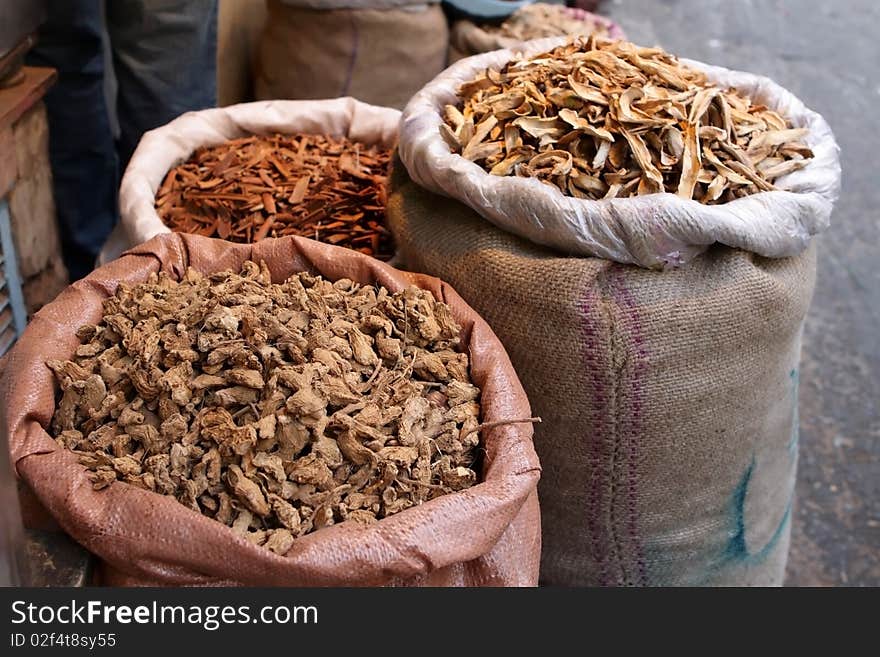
(609,119)
(331,189)
(276,409)
(540,20)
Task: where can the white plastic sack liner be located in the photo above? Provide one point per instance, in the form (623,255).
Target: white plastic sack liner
(163,148)
(650,231)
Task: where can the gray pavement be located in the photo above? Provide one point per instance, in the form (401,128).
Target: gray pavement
(827,53)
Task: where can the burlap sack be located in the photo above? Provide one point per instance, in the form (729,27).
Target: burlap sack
(669,398)
(467,38)
(239,26)
(373,51)
(487,535)
(164,148)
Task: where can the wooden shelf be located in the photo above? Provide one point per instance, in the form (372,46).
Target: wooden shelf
(19,98)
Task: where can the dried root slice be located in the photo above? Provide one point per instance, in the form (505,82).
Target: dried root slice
(276,409)
(609,119)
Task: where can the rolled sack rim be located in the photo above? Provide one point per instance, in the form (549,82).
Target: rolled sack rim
(651,231)
(163,148)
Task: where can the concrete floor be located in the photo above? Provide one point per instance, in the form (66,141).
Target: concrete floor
(827,53)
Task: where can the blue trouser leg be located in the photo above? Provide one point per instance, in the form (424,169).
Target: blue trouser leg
(164,56)
(81,147)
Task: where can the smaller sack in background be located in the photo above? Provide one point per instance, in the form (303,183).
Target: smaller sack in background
(536,21)
(379,51)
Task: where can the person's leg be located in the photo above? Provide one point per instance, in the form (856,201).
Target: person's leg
(164,56)
(81,148)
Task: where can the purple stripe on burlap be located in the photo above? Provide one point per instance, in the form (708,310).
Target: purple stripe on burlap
(631,422)
(626,427)
(590,308)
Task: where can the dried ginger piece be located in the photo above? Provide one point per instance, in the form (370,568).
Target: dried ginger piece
(601,119)
(274,408)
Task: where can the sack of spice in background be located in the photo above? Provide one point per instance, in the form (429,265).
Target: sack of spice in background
(263,169)
(262,448)
(668,397)
(378,51)
(536,21)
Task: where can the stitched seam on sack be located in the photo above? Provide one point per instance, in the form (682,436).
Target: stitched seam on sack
(608,310)
(605,541)
(636,357)
(595,381)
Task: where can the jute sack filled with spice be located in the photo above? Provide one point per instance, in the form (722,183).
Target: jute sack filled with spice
(668,397)
(164,148)
(535,21)
(378,51)
(286,527)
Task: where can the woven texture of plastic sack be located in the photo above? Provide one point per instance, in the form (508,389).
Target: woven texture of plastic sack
(484,536)
(164,148)
(650,231)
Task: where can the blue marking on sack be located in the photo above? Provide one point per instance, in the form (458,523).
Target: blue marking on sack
(736,550)
(795,422)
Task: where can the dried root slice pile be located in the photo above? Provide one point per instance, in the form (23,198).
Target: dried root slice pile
(328,188)
(276,409)
(609,119)
(540,20)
